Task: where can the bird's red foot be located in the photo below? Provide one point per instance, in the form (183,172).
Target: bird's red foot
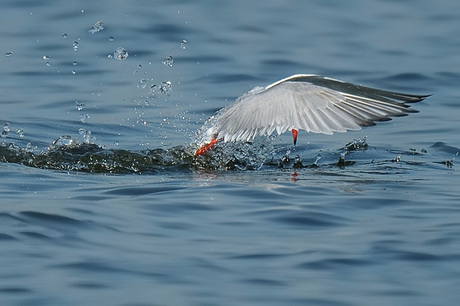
(294,135)
(206,147)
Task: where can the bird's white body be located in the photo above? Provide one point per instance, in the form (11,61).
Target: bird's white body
(305,102)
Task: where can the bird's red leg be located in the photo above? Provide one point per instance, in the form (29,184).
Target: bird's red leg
(206,147)
(294,135)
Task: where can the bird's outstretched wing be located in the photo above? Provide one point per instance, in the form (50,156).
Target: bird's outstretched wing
(308,102)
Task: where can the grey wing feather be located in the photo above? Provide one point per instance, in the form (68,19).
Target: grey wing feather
(311,103)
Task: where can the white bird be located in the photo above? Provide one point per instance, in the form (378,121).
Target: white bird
(304,102)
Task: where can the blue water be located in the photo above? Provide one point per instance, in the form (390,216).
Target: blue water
(101,202)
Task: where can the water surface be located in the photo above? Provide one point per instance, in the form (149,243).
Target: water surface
(103,203)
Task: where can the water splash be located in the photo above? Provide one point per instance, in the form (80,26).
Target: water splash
(72,154)
(237,156)
(356,144)
(183,44)
(67,154)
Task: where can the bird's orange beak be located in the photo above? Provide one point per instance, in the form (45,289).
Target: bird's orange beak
(206,147)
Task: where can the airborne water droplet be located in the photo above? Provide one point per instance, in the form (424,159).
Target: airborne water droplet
(97,27)
(20,132)
(6,130)
(169,61)
(79,106)
(120,54)
(165,88)
(47,60)
(86,135)
(63,141)
(84,117)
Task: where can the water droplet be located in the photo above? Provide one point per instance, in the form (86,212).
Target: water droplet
(47,60)
(79,106)
(97,27)
(86,135)
(6,130)
(63,141)
(74,72)
(7,54)
(64,35)
(297,162)
(318,157)
(168,61)
(84,117)
(142,83)
(153,90)
(120,54)
(165,88)
(20,132)
(183,44)
(75,63)
(29,148)
(111,38)
(75,45)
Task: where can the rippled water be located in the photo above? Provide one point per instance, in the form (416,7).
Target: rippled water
(102,201)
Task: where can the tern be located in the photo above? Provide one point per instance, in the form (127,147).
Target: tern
(307,102)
